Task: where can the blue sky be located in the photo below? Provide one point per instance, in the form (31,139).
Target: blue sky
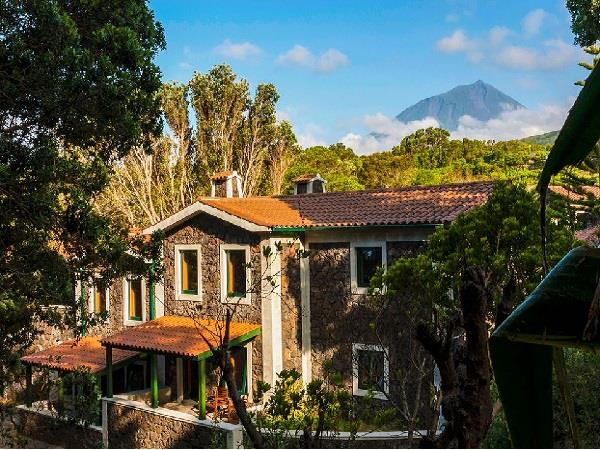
(344,68)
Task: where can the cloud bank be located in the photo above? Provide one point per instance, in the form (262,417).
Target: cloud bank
(506,48)
(385,132)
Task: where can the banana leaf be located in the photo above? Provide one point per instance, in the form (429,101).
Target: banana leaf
(553,315)
(579,133)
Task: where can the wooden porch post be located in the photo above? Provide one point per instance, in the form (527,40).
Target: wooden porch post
(152,292)
(109,373)
(28,384)
(202,388)
(153,380)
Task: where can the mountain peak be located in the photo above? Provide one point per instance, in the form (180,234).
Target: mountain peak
(479,100)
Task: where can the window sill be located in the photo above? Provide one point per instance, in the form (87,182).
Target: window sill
(237,300)
(363,393)
(132,323)
(188,297)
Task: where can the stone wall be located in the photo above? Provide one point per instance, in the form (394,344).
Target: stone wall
(129,425)
(42,426)
(340,318)
(291,309)
(210,233)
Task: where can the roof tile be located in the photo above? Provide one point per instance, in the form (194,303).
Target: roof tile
(177,335)
(412,205)
(70,355)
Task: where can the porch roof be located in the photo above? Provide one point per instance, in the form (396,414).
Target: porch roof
(71,355)
(180,336)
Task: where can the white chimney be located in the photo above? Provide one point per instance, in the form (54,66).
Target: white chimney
(226,184)
(310,183)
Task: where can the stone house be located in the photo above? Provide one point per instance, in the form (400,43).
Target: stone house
(330,244)
(297,266)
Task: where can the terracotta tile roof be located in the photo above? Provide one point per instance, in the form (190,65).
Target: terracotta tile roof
(412,205)
(221,176)
(68,356)
(594,191)
(305,177)
(566,193)
(589,235)
(569,194)
(176,335)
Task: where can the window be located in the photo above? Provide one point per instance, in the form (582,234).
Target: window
(134,300)
(301,188)
(188,285)
(99,297)
(370,371)
(366,258)
(235,273)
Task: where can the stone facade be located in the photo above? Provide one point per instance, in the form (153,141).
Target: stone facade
(340,318)
(41,426)
(135,427)
(210,234)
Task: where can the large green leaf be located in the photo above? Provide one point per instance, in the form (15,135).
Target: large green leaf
(579,134)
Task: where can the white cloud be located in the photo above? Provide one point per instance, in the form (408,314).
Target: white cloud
(301,56)
(237,50)
(331,60)
(383,133)
(310,135)
(515,123)
(555,54)
(455,43)
(532,22)
(495,47)
(497,35)
(298,55)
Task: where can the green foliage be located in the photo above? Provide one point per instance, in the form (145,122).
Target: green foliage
(80,403)
(585,21)
(79,90)
(428,157)
(583,369)
(337,164)
(501,236)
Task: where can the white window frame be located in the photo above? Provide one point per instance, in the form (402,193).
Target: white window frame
(386,371)
(353,262)
(178,294)
(247,299)
(92,297)
(126,320)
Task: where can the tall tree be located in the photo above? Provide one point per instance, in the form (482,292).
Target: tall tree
(219,101)
(585,21)
(281,154)
(78,87)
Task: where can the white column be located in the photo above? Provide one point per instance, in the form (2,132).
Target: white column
(305,311)
(266,301)
(276,332)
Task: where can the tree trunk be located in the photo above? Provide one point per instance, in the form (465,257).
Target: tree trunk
(476,396)
(466,398)
(240,408)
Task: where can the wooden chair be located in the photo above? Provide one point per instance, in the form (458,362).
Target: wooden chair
(219,403)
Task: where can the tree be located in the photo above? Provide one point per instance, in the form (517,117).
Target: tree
(78,87)
(585,21)
(282,151)
(337,164)
(489,258)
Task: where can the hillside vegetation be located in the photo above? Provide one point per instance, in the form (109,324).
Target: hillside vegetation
(427,156)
